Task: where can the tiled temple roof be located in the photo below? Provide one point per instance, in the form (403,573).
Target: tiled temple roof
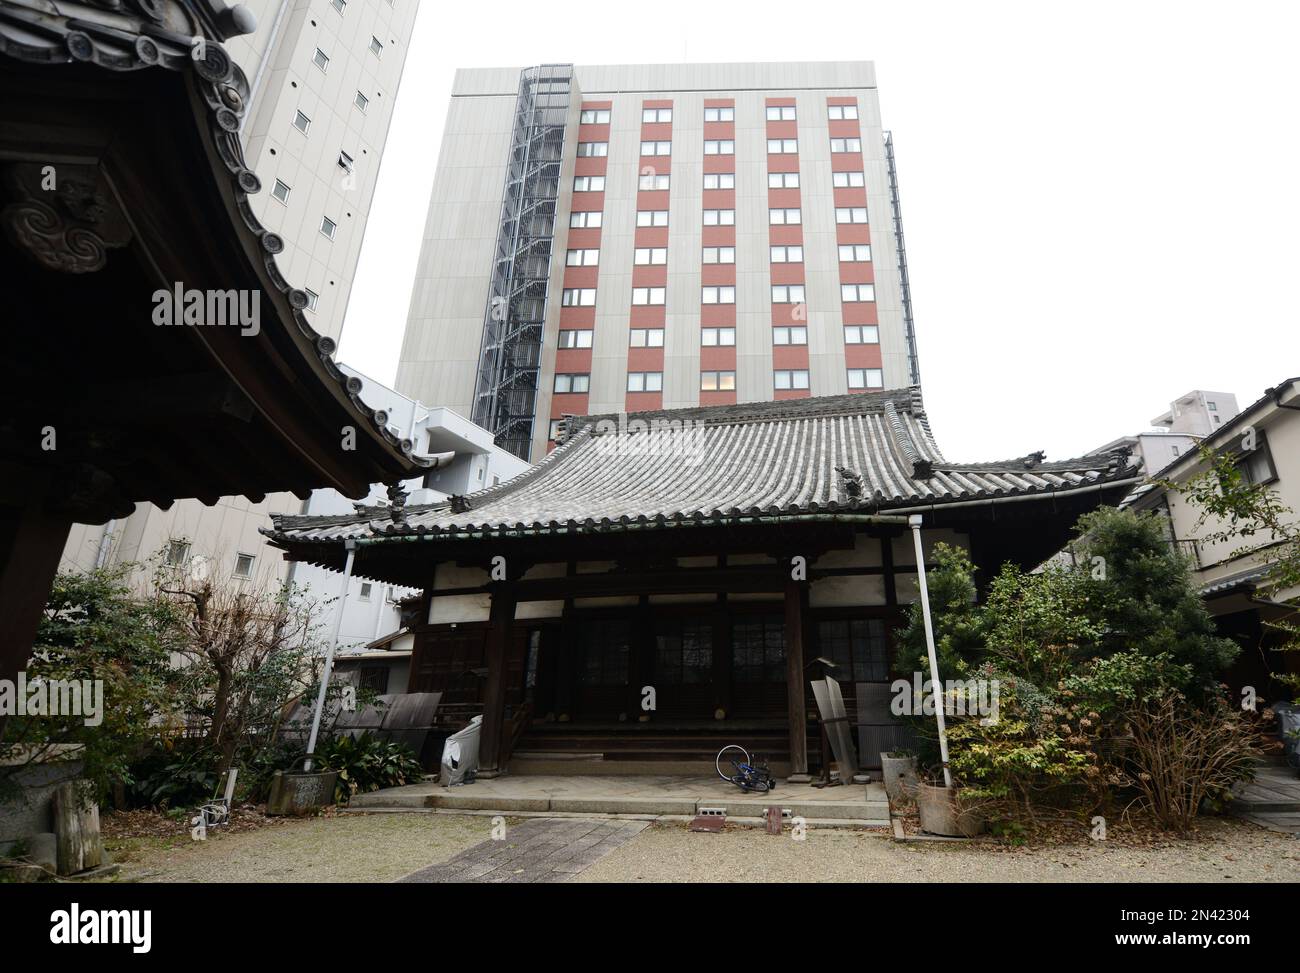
(862,453)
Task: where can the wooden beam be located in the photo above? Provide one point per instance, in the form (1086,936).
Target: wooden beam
(501,618)
(796,711)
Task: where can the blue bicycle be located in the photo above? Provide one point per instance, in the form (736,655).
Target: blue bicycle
(748,775)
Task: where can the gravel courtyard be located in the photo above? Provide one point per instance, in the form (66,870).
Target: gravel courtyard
(386,847)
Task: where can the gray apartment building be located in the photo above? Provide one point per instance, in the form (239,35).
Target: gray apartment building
(631,238)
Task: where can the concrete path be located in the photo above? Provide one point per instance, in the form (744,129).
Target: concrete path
(654,795)
(538,850)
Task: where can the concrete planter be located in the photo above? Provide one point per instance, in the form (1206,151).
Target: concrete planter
(899,775)
(299,792)
(940,814)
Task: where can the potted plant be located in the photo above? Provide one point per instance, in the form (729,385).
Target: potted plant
(943,812)
(898,768)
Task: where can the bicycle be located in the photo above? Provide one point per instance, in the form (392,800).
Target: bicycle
(746,774)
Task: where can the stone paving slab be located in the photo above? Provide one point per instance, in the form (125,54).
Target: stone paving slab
(665,794)
(538,850)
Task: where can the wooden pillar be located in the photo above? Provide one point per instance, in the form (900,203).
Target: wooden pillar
(31,543)
(796,694)
(501,618)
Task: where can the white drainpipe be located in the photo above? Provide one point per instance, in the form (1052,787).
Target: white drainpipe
(329,655)
(939,695)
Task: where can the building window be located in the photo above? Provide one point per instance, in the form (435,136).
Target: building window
(645,381)
(376,46)
(855,252)
(859,647)
(178,553)
(719,217)
(846,145)
(361,101)
(584,219)
(718,337)
(366,589)
(345,161)
(328,226)
(783,180)
(582,258)
(782,146)
(861,334)
(719,114)
(1256,467)
(866,378)
(719,147)
(578,297)
(851,214)
(652,217)
(244,565)
(604,650)
(838,113)
(580,338)
(787,294)
(648,256)
(301,122)
(780,113)
(653,181)
(785,378)
(590,149)
(565,382)
(790,336)
(718,295)
(594,116)
(784,217)
(656,148)
(1211,406)
(588,184)
(848,180)
(321,59)
(717,381)
(651,115)
(338,4)
(1174,449)
(312,299)
(645,338)
(787,255)
(719,255)
(281,191)
(647,295)
(719,180)
(854,293)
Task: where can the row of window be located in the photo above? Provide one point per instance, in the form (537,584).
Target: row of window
(722,294)
(719,147)
(780,216)
(854,334)
(783,379)
(775,113)
(718,180)
(658,256)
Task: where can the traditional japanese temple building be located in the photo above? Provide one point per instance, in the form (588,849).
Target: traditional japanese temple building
(696,558)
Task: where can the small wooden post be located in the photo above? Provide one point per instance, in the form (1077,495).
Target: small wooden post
(76,829)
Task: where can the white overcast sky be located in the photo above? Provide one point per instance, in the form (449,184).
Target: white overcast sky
(1101,201)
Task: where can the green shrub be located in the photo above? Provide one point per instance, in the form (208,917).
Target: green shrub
(367,764)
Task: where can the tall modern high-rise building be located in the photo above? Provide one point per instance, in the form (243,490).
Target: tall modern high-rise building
(322,78)
(625,238)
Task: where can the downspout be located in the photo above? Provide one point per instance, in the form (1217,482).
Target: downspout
(939,698)
(329,655)
(105,540)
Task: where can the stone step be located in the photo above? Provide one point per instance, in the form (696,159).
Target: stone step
(603,766)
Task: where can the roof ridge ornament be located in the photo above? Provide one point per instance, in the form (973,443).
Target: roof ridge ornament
(1034,459)
(397,502)
(460,504)
(850,482)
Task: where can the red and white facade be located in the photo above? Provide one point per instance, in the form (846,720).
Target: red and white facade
(724,234)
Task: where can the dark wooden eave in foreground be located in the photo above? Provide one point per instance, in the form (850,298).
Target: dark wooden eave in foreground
(122,174)
(151,191)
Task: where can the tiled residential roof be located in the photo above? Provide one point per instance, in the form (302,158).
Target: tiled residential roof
(728,463)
